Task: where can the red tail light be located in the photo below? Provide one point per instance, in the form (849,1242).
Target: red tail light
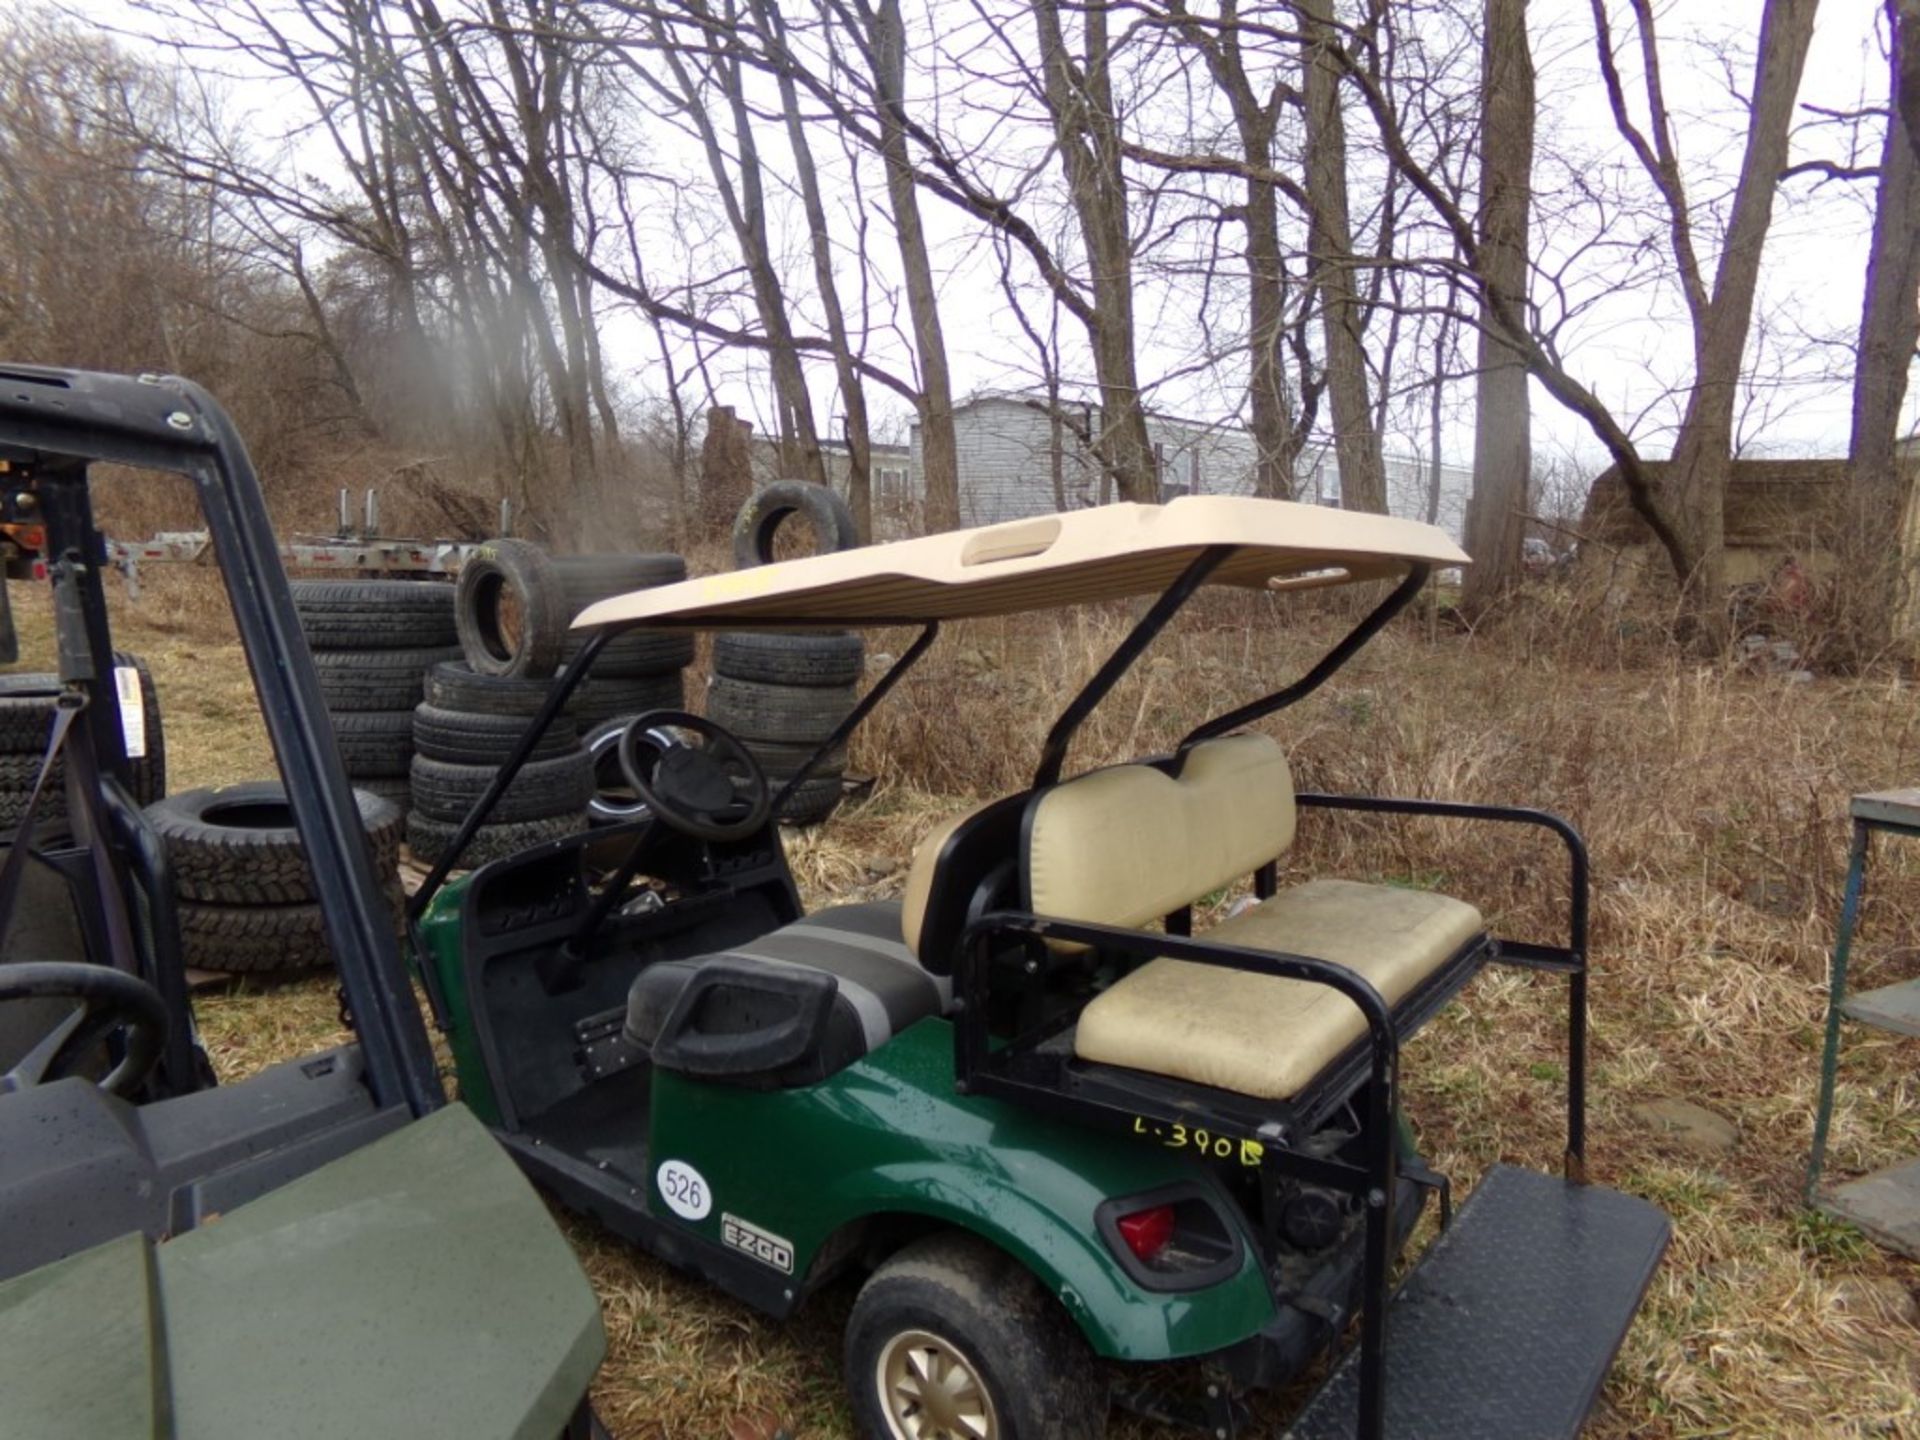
(1147,1231)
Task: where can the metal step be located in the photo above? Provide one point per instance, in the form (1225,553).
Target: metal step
(1506,1327)
(1885,1204)
(1891,1007)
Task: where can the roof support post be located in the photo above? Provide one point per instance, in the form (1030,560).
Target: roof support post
(1375,621)
(1118,663)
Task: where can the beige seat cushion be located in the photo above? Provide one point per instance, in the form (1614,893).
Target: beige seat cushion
(1130,844)
(1261,1035)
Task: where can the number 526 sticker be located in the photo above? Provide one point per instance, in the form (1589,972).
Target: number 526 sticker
(684,1189)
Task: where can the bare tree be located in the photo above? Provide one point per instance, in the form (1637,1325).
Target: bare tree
(1502,423)
(1363,475)
(1078,89)
(1889,332)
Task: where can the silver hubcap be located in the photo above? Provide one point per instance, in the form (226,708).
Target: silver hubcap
(931,1391)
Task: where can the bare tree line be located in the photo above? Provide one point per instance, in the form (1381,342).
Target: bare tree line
(1337,217)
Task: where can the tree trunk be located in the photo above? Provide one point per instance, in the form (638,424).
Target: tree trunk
(853,395)
(1363,476)
(1906,63)
(1086,126)
(939,452)
(1502,425)
(1703,453)
(1873,567)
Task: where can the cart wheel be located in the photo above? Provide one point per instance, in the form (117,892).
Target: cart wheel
(953,1340)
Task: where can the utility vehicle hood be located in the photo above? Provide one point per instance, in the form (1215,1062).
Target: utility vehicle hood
(414,1287)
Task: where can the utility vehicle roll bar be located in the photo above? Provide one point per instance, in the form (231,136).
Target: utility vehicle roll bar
(54,424)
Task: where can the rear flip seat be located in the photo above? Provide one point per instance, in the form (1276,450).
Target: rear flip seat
(1132,844)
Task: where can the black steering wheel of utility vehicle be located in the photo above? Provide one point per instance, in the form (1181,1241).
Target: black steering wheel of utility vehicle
(715,790)
(105,1001)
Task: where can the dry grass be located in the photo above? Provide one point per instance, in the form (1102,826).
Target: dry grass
(1714,803)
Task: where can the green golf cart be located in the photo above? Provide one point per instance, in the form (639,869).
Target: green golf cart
(1053,1126)
(324,1249)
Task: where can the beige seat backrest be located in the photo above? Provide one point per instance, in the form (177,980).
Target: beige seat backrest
(1132,844)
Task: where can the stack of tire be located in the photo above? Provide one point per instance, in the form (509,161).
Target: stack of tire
(373,642)
(463,732)
(513,610)
(27,703)
(785,692)
(245,889)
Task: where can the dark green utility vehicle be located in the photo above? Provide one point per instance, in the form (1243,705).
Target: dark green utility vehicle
(325,1249)
(1053,1125)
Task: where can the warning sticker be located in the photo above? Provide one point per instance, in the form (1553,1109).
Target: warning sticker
(133,713)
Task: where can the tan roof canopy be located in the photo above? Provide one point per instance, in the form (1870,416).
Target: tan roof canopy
(1068,559)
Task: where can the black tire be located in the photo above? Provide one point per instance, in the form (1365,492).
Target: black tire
(27,703)
(1035,1368)
(375,614)
(238,846)
(250,939)
(622,699)
(771,506)
(374,744)
(358,680)
(542,789)
(511,610)
(467,737)
(454,685)
(780,759)
(785,659)
(588,578)
(614,801)
(397,792)
(816,799)
(791,713)
(428,838)
(16,783)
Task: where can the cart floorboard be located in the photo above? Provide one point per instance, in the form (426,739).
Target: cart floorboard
(1509,1322)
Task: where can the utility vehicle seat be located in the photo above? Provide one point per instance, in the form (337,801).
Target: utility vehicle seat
(877,990)
(1131,844)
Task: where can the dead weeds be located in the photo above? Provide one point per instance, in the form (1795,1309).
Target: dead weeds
(1714,803)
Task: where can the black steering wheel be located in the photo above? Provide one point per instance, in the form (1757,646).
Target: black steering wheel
(105,1000)
(715,790)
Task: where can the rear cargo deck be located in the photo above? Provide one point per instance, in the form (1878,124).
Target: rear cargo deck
(1507,1326)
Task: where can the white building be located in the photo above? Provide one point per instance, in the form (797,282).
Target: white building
(1007,445)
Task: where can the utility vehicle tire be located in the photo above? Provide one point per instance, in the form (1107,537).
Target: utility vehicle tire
(375,614)
(469,737)
(455,685)
(784,659)
(789,713)
(543,788)
(374,744)
(428,838)
(771,506)
(588,578)
(511,610)
(27,703)
(253,938)
(238,846)
(622,698)
(816,799)
(961,1304)
(355,680)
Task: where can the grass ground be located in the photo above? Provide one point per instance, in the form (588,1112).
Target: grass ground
(1714,802)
